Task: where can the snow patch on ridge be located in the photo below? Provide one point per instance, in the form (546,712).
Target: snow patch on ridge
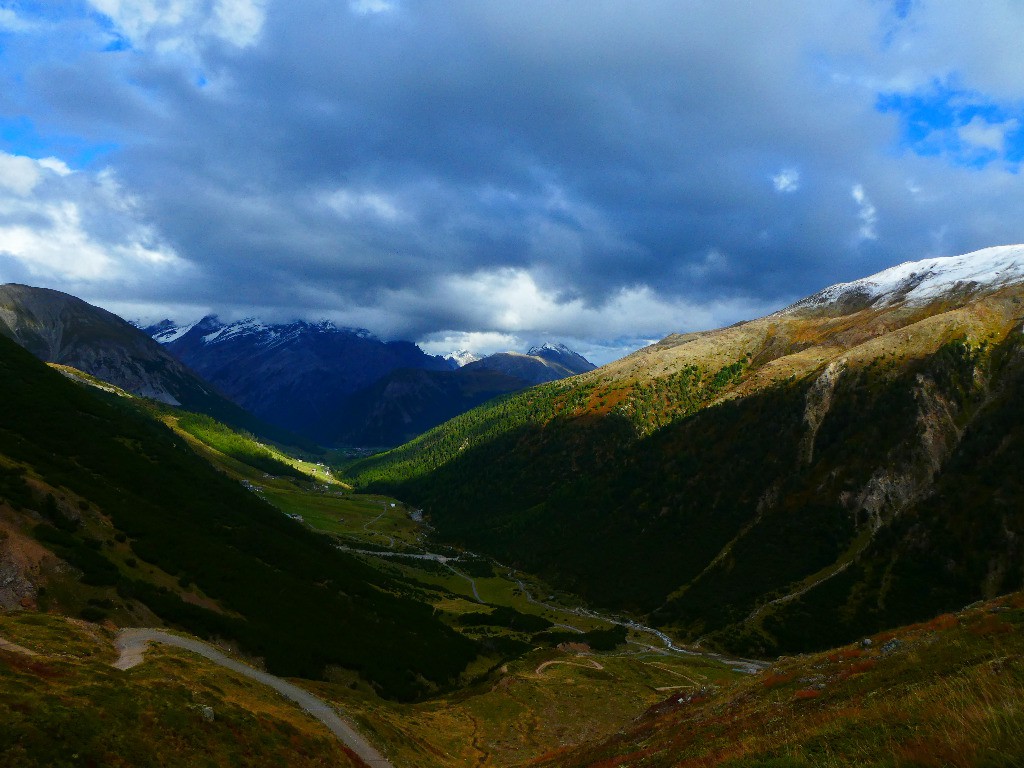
(265,334)
(173,333)
(558,349)
(919,282)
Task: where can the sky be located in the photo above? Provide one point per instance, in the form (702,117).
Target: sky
(488,174)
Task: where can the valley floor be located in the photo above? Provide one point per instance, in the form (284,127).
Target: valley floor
(547,699)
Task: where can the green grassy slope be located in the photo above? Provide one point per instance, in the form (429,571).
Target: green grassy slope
(285,593)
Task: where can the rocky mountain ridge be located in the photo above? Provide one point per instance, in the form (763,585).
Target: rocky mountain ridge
(549,362)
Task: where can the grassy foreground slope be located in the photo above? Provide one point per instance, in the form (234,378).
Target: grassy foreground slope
(129,506)
(783,484)
(946,692)
(66,705)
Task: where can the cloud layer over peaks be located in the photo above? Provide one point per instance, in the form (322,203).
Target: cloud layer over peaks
(478,169)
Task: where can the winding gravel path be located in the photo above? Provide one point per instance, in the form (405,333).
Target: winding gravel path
(7,645)
(132,645)
(470,579)
(590,664)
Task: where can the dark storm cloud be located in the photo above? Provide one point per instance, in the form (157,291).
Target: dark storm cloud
(627,168)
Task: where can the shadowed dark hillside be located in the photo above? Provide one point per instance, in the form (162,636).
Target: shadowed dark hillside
(283,592)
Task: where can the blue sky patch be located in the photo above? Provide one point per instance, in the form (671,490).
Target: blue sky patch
(19,136)
(49,10)
(964,126)
(118,43)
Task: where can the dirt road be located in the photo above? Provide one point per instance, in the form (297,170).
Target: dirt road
(7,645)
(132,644)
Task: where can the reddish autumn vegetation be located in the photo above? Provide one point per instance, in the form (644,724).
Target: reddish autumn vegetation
(941,693)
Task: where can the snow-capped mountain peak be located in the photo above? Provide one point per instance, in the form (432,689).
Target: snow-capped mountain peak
(212,330)
(547,346)
(164,331)
(560,354)
(461,357)
(919,282)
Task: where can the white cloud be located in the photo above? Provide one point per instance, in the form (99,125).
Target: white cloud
(19,175)
(238,21)
(174,25)
(480,343)
(985,135)
(68,229)
(367,7)
(12,22)
(519,312)
(350,204)
(714,263)
(56,165)
(786,180)
(62,247)
(512,303)
(138,18)
(868,214)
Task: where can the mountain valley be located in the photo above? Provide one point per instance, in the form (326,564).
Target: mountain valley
(461,384)
(600,569)
(780,485)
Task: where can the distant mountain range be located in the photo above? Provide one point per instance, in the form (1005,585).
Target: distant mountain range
(549,362)
(59,328)
(295,375)
(346,386)
(289,382)
(849,463)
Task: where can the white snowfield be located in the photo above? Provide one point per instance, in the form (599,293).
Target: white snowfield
(919,282)
(266,334)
